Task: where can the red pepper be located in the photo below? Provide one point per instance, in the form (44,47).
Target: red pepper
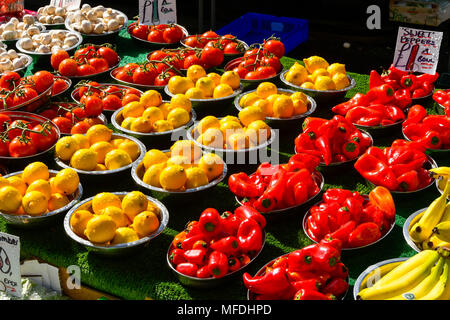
(322,144)
(395,114)
(419,93)
(358,99)
(272,282)
(188,243)
(266,169)
(428,87)
(376,171)
(355,208)
(210,222)
(415,115)
(335,243)
(304,294)
(343,232)
(336,195)
(363,140)
(369,121)
(233,264)
(341,271)
(397,155)
(382,199)
(300,193)
(230,223)
(371,213)
(244,259)
(312,124)
(375,79)
(313,229)
(431,140)
(192,229)
(273,195)
(178,239)
(408,81)
(281,262)
(187,268)
(424,177)
(302,160)
(301,260)
(195,256)
(241,185)
(396,74)
(410,144)
(356,113)
(364,234)
(409,181)
(247,212)
(343,216)
(402,98)
(218,264)
(381,94)
(200,244)
(437,122)
(337,287)
(426,77)
(176,256)
(203,272)
(250,235)
(309,284)
(305,141)
(350,150)
(320,219)
(228,245)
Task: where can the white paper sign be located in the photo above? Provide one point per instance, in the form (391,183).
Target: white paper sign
(152,12)
(417,50)
(10,277)
(68,4)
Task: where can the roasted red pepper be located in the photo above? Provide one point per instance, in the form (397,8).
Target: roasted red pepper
(273,282)
(250,235)
(247,212)
(218,264)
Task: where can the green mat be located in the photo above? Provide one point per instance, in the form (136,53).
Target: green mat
(146,274)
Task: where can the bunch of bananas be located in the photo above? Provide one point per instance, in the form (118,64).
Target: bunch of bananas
(424,276)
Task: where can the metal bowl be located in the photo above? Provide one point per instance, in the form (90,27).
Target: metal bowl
(156,45)
(321,96)
(438,153)
(204,283)
(118,249)
(34,103)
(422,100)
(12,43)
(305,229)
(298,209)
(366,273)
(142,87)
(211,106)
(282,122)
(153,139)
(27,221)
(96,76)
(381,130)
(62,93)
(22,70)
(408,224)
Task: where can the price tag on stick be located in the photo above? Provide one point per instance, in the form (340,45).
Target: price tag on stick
(153,12)
(417,50)
(10,276)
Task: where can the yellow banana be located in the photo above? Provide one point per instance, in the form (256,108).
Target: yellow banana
(415,220)
(379,272)
(423,229)
(442,231)
(425,286)
(446,215)
(434,242)
(437,292)
(440,172)
(398,285)
(446,294)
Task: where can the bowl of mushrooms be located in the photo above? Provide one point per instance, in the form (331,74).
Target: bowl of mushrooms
(14,29)
(97,24)
(52,17)
(11,60)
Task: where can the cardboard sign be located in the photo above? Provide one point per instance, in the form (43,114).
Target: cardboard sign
(153,12)
(68,4)
(417,50)
(10,277)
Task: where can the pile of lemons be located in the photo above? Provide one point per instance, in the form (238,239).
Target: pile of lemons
(183,167)
(151,114)
(114,219)
(318,74)
(199,85)
(235,133)
(35,191)
(98,150)
(267,100)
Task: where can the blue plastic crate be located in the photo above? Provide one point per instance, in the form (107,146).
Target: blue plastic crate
(255,27)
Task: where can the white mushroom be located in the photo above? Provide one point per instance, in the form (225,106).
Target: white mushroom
(56,42)
(50,10)
(70,41)
(42,19)
(9,35)
(43,49)
(61,12)
(12,54)
(6,65)
(4,56)
(86,7)
(14,20)
(86,26)
(91,16)
(2,49)
(113,24)
(121,19)
(28,19)
(9,27)
(58,19)
(33,31)
(36,37)
(99,28)
(17,63)
(49,19)
(46,38)
(20,26)
(27,44)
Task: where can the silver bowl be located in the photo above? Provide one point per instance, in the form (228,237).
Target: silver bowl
(22,70)
(205,283)
(406,227)
(381,130)
(11,43)
(118,249)
(153,139)
(321,96)
(282,122)
(156,44)
(27,221)
(422,100)
(305,229)
(444,153)
(34,103)
(142,87)
(69,84)
(368,271)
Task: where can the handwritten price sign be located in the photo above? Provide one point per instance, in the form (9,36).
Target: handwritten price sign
(417,50)
(10,276)
(152,12)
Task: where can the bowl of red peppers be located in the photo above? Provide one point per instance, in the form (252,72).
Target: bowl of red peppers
(356,220)
(337,142)
(442,98)
(217,247)
(279,190)
(314,272)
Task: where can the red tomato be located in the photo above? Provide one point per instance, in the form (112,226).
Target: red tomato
(163,78)
(161,26)
(6,100)
(46,139)
(9,80)
(144,75)
(90,88)
(158,55)
(19,124)
(193,41)
(76,114)
(233,48)
(99,64)
(111,102)
(140,31)
(254,53)
(23,95)
(59,86)
(64,124)
(18,148)
(85,70)
(80,127)
(129,98)
(241,71)
(273,62)
(211,56)
(113,90)
(156,36)
(253,75)
(208,35)
(109,55)
(68,67)
(130,67)
(42,80)
(266,72)
(84,54)
(132,91)
(93,106)
(124,75)
(191,60)
(172,34)
(4,148)
(275,47)
(57,57)
(226,39)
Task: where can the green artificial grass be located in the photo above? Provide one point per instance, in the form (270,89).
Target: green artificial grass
(147,274)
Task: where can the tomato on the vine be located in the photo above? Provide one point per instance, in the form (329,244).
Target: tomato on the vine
(123,75)
(211,56)
(57,57)
(266,72)
(232,48)
(113,90)
(275,47)
(80,127)
(193,41)
(68,67)
(156,36)
(109,55)
(99,64)
(144,75)
(64,124)
(19,148)
(59,86)
(158,55)
(6,100)
(44,140)
(49,113)
(172,34)
(23,95)
(4,148)
(85,70)
(84,54)
(42,80)
(191,60)
(3,119)
(93,106)
(9,80)
(111,102)
(140,31)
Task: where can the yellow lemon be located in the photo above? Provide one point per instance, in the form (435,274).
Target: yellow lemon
(296,75)
(206,123)
(265,105)
(213,137)
(79,220)
(142,125)
(165,108)
(131,148)
(42,186)
(238,141)
(283,107)
(248,99)
(222,90)
(231,78)
(272,98)
(133,109)
(100,229)
(195,93)
(324,83)
(118,216)
(98,132)
(258,131)
(212,164)
(124,235)
(115,142)
(65,148)
(84,159)
(266,89)
(340,81)
(81,140)
(35,171)
(195,72)
(183,161)
(300,107)
(308,85)
(178,117)
(150,98)
(153,114)
(315,62)
(215,77)
(57,201)
(230,127)
(181,101)
(179,84)
(317,73)
(100,167)
(154,156)
(250,114)
(187,148)
(34,203)
(299,96)
(116,159)
(104,200)
(10,199)
(162,126)
(101,148)
(145,223)
(127,122)
(151,175)
(206,85)
(229,118)
(173,177)
(336,68)
(66,181)
(134,203)
(16,182)
(4,182)
(195,177)
(153,207)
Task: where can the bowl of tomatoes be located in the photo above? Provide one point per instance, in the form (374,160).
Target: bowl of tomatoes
(157,36)
(26,137)
(60,87)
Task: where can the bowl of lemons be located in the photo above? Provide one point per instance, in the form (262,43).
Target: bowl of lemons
(99,154)
(116,223)
(155,122)
(37,196)
(181,171)
(326,83)
(209,93)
